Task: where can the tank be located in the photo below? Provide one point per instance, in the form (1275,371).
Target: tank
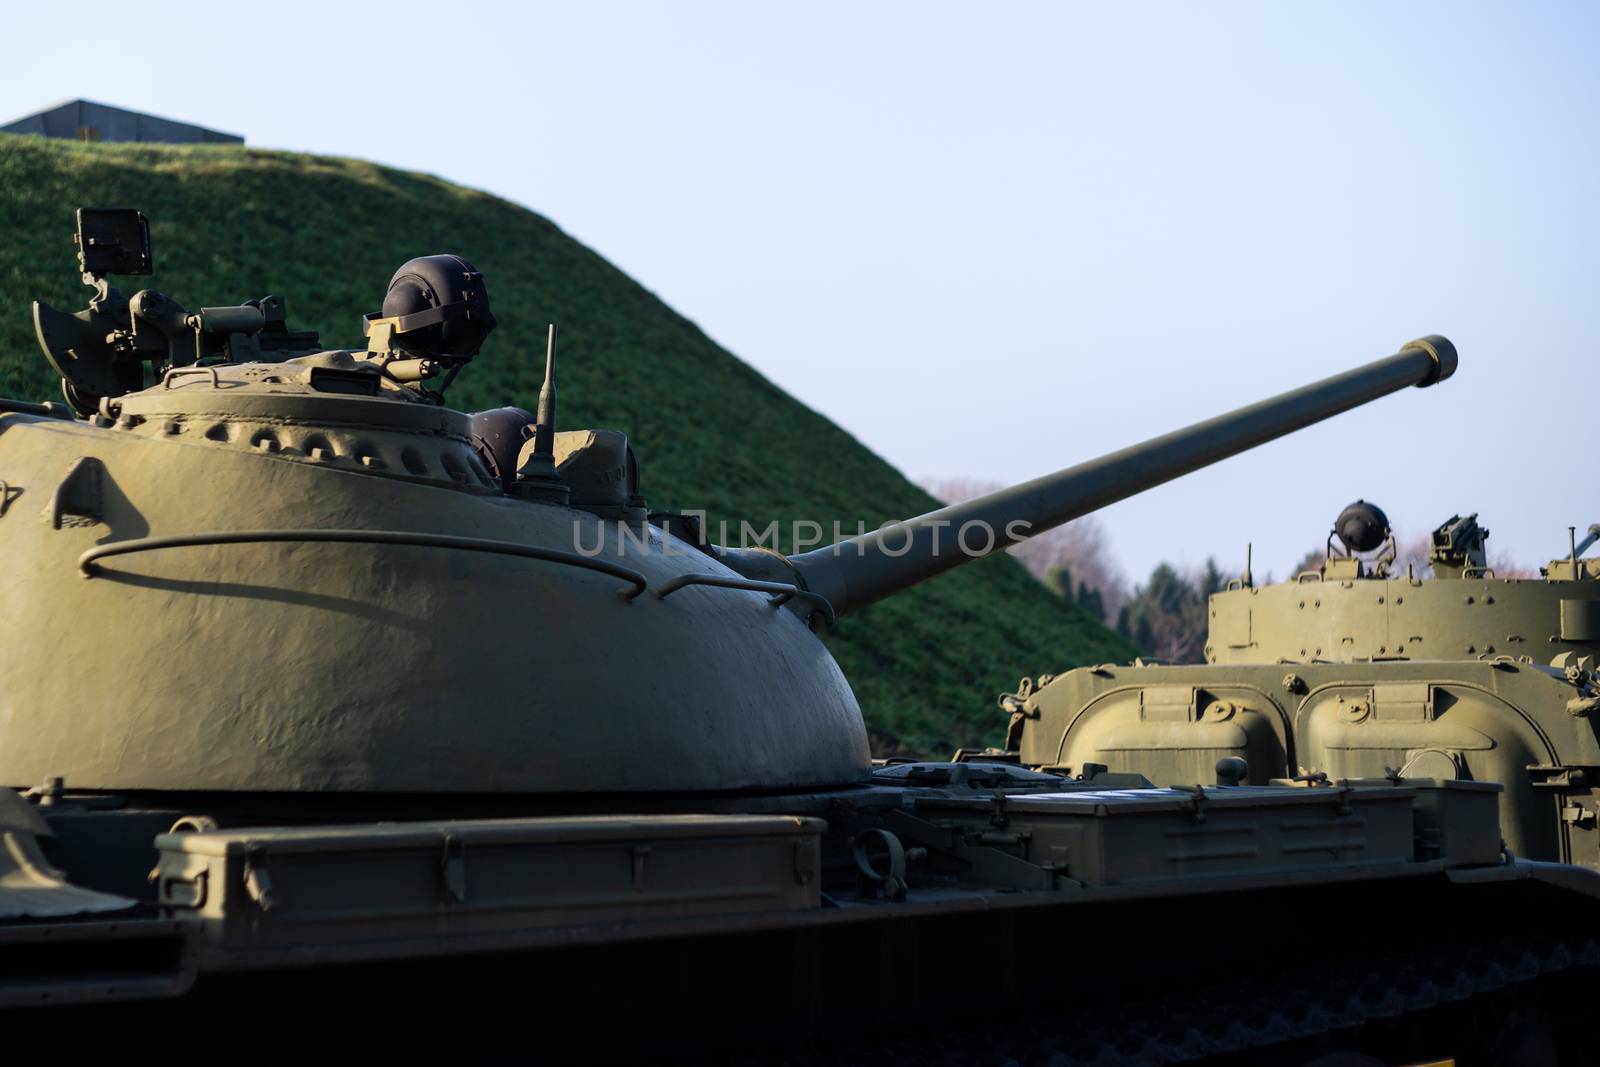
(1361,669)
(330,710)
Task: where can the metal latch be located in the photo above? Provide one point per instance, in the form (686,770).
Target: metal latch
(453,868)
(257,881)
(639,853)
(182,892)
(805,861)
(1197,800)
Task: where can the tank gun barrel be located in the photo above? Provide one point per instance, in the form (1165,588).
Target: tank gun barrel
(857,571)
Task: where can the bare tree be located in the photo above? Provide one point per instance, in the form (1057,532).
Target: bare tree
(1411,550)
(1504,566)
(1311,561)
(1081,547)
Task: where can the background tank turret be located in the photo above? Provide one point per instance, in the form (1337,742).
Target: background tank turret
(1455,607)
(1360,669)
(326,706)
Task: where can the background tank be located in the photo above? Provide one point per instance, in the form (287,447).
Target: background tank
(344,709)
(1359,670)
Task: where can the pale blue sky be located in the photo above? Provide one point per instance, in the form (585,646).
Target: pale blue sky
(993,240)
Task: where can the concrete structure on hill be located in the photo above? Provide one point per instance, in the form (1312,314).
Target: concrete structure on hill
(85,120)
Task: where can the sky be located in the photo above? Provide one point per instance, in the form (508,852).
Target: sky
(995,240)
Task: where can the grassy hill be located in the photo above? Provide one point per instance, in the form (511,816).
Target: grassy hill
(231,223)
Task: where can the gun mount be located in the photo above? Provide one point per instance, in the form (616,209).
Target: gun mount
(100,353)
(1456,548)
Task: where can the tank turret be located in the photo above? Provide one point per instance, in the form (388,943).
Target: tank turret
(1358,606)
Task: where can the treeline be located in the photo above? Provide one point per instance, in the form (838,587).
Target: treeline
(1165,618)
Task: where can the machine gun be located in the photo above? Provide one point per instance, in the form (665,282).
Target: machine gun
(1458,547)
(101,352)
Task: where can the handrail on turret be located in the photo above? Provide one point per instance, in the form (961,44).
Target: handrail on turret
(781,592)
(89,561)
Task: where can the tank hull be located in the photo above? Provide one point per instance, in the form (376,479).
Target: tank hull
(752,935)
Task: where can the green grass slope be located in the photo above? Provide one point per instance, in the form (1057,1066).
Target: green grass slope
(231,223)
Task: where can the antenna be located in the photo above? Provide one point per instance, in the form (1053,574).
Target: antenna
(544,427)
(1249,579)
(537,476)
